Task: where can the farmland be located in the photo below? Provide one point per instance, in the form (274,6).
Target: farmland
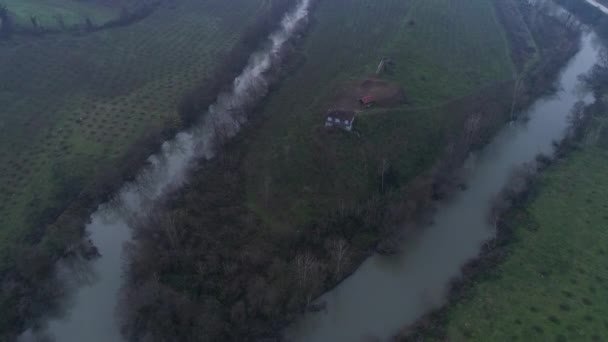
(287,195)
(553,283)
(296,171)
(289,208)
(72,106)
(47,13)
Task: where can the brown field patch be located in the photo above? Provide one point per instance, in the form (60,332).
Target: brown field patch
(385,94)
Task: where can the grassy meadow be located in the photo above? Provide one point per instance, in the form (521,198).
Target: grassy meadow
(443,50)
(72,105)
(553,285)
(72,12)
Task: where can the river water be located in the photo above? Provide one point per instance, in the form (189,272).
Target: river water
(91,314)
(387,293)
(596,4)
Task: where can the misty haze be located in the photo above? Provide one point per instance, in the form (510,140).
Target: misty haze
(303,170)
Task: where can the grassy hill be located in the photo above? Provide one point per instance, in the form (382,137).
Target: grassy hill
(442,50)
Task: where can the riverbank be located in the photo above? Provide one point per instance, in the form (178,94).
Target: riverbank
(28,19)
(530,279)
(28,267)
(544,272)
(257,271)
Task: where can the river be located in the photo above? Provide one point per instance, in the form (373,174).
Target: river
(596,4)
(387,293)
(90,315)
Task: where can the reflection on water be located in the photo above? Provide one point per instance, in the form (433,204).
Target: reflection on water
(386,293)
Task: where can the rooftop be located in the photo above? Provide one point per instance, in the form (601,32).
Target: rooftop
(367,99)
(341,114)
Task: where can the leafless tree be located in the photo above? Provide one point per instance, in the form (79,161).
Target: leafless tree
(34,21)
(307,269)
(267,184)
(60,21)
(339,251)
(383,169)
(171,231)
(576,120)
(471,127)
(5,24)
(88,24)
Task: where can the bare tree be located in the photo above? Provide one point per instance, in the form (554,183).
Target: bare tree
(267,184)
(34,21)
(221,133)
(60,21)
(576,120)
(171,231)
(339,251)
(5,25)
(384,168)
(307,269)
(88,24)
(471,127)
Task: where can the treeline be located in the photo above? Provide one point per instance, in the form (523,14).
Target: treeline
(198,99)
(130,14)
(28,287)
(204,266)
(588,14)
(508,213)
(557,38)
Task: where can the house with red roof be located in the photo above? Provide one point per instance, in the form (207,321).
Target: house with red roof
(367,100)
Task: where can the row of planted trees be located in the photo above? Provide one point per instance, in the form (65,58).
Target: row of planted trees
(205,266)
(127,16)
(29,288)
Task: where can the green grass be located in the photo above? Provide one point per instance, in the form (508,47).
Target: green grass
(443,50)
(73,104)
(73,12)
(554,284)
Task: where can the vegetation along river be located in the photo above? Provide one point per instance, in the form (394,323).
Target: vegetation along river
(388,292)
(91,314)
(598,5)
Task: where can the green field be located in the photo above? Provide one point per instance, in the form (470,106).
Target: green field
(553,285)
(72,12)
(73,105)
(443,50)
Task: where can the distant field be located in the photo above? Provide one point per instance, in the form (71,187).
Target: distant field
(554,284)
(72,12)
(73,105)
(442,50)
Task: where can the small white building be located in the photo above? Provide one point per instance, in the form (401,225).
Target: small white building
(342,119)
